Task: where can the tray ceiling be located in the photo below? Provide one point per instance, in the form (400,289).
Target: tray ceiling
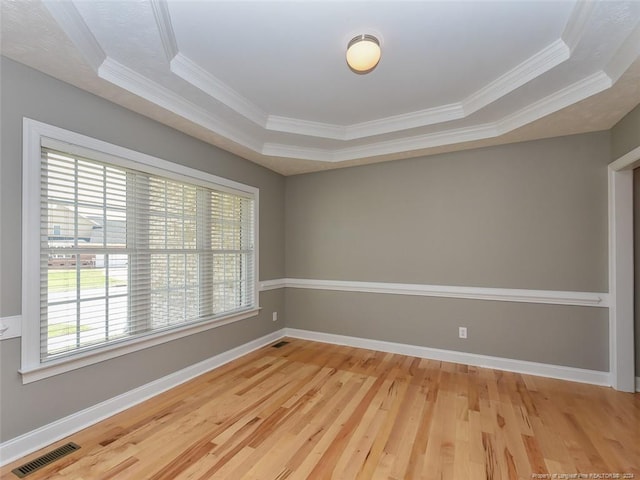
(268,80)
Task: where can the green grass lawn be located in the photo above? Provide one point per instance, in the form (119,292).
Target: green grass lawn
(65,280)
(67,328)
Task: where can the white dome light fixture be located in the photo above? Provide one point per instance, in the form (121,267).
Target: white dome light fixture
(363,53)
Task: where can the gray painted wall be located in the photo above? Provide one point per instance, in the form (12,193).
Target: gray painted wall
(530,215)
(625,135)
(26,92)
(559,335)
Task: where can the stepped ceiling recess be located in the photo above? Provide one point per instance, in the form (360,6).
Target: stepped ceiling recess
(268,80)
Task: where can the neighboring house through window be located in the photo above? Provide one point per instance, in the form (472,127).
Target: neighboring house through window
(128,251)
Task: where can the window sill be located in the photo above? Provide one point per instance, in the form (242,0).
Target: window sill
(67,364)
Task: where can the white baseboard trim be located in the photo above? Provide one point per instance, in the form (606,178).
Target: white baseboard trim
(552,297)
(509,365)
(41,437)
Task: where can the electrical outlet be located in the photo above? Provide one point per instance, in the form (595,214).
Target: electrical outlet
(275,316)
(462,332)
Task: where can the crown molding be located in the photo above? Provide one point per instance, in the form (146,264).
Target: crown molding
(545,60)
(447,137)
(574,93)
(124,77)
(69,18)
(298,126)
(406,121)
(538,64)
(535,66)
(577,23)
(578,91)
(192,73)
(395,123)
(437,139)
(625,56)
(130,80)
(272,149)
(165,28)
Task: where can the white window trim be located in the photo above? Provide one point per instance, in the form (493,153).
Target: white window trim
(35,135)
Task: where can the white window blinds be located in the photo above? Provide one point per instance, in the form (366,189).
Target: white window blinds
(126,253)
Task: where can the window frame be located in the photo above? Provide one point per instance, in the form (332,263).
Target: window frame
(38,134)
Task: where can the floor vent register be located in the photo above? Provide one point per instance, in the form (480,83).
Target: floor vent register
(44,460)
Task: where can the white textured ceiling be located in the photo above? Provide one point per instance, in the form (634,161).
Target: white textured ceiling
(268,80)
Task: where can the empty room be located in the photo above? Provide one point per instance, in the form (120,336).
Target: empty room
(319,239)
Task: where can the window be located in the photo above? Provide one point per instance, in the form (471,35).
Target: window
(131,251)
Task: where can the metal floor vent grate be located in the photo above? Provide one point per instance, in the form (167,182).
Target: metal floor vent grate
(280,344)
(44,460)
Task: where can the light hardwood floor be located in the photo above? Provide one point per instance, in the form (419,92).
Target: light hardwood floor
(316,411)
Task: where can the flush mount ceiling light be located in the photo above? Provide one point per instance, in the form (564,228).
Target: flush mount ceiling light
(363,53)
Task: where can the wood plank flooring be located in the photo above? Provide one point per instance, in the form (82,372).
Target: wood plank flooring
(316,411)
